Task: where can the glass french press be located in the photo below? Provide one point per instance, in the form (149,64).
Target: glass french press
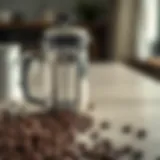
(65,62)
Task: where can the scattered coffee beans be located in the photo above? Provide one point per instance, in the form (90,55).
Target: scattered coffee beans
(52,136)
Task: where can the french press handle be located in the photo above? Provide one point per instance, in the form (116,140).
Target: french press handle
(26,67)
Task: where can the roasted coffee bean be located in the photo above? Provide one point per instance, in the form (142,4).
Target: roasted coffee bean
(107,143)
(11,155)
(126,129)
(127,149)
(94,135)
(68,158)
(35,140)
(72,153)
(105,125)
(28,147)
(141,134)
(20,149)
(6,117)
(84,152)
(137,155)
(108,157)
(28,123)
(35,156)
(84,123)
(118,153)
(48,158)
(82,147)
(100,149)
(158,158)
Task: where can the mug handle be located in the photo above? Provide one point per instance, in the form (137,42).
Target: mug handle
(27,61)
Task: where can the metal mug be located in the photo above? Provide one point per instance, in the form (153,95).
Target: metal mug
(10,72)
(14,74)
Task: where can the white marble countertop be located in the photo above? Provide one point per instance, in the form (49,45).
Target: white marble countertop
(124,96)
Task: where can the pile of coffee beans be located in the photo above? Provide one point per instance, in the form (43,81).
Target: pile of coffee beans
(52,136)
(41,137)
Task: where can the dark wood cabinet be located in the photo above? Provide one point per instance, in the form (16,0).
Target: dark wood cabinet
(30,33)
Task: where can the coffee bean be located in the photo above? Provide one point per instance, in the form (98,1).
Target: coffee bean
(119,153)
(103,146)
(84,123)
(127,149)
(157,158)
(35,140)
(35,156)
(6,117)
(20,148)
(49,158)
(94,135)
(141,134)
(126,129)
(137,155)
(107,144)
(105,125)
(67,158)
(108,157)
(82,147)
(72,153)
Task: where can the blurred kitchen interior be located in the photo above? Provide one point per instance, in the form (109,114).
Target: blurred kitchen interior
(122,30)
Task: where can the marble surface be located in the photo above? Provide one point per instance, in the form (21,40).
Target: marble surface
(125,96)
(122,95)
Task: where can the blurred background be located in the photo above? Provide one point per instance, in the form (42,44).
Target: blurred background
(122,30)
(125,51)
